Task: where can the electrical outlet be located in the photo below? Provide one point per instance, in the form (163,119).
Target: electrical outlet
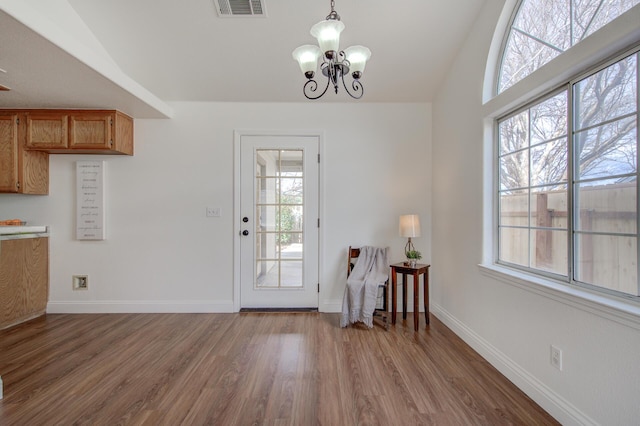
(213,212)
(80,282)
(556,357)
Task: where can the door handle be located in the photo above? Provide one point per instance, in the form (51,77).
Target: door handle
(245,232)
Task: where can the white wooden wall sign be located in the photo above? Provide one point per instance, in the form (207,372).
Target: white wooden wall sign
(90,200)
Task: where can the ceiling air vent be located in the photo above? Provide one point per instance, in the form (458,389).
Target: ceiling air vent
(240,8)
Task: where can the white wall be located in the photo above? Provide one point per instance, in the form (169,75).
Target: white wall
(508,321)
(163,254)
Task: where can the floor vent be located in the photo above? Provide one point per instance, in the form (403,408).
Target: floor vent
(240,8)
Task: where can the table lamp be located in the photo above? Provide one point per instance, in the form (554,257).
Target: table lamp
(410,228)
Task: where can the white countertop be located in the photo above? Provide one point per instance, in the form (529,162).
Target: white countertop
(27,229)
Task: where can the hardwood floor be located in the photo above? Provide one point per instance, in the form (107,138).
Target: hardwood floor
(245,369)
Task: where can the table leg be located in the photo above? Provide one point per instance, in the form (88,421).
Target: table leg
(426,296)
(404,297)
(416,295)
(394,296)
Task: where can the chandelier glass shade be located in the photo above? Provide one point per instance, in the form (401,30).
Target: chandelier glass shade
(328,34)
(336,63)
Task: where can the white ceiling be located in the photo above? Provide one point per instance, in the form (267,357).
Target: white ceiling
(168,50)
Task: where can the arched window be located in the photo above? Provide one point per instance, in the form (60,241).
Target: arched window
(543,29)
(567,192)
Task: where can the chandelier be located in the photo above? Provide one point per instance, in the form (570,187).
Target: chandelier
(336,63)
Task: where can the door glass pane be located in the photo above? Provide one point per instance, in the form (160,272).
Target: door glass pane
(291,190)
(291,244)
(267,274)
(291,163)
(280,208)
(290,273)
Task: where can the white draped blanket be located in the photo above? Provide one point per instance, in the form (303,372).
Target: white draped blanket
(370,271)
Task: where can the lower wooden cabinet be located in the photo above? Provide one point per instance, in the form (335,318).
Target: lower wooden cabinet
(24,279)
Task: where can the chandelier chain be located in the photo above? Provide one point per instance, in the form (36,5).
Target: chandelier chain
(333,15)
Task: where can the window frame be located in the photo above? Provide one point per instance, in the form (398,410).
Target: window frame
(508,30)
(633,50)
(496,185)
(568,87)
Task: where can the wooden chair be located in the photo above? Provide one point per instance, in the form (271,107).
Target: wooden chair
(382,303)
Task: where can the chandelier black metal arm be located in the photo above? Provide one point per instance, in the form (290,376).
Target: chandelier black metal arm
(334,69)
(311,86)
(356,86)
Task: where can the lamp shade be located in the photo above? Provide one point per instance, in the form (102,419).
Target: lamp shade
(357,57)
(409,225)
(307,57)
(328,34)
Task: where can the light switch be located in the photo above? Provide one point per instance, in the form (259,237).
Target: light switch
(213,212)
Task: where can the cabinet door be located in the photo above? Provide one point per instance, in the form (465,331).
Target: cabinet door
(47,130)
(21,171)
(9,153)
(90,131)
(24,279)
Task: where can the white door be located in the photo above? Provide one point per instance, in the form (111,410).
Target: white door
(279,213)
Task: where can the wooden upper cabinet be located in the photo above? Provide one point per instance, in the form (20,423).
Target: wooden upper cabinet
(28,136)
(110,131)
(21,171)
(8,153)
(47,130)
(80,132)
(91,131)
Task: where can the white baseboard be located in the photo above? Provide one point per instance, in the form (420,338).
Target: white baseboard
(330,306)
(561,409)
(159,306)
(139,306)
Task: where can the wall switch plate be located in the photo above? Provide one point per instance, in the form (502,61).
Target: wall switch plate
(80,282)
(214,212)
(556,357)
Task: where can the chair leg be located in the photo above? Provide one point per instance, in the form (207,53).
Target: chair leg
(384,317)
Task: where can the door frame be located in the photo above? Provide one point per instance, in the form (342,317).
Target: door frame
(237,222)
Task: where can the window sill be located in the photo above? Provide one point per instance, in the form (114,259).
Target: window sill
(614,309)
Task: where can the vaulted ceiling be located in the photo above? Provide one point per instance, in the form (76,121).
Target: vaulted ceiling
(138,54)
